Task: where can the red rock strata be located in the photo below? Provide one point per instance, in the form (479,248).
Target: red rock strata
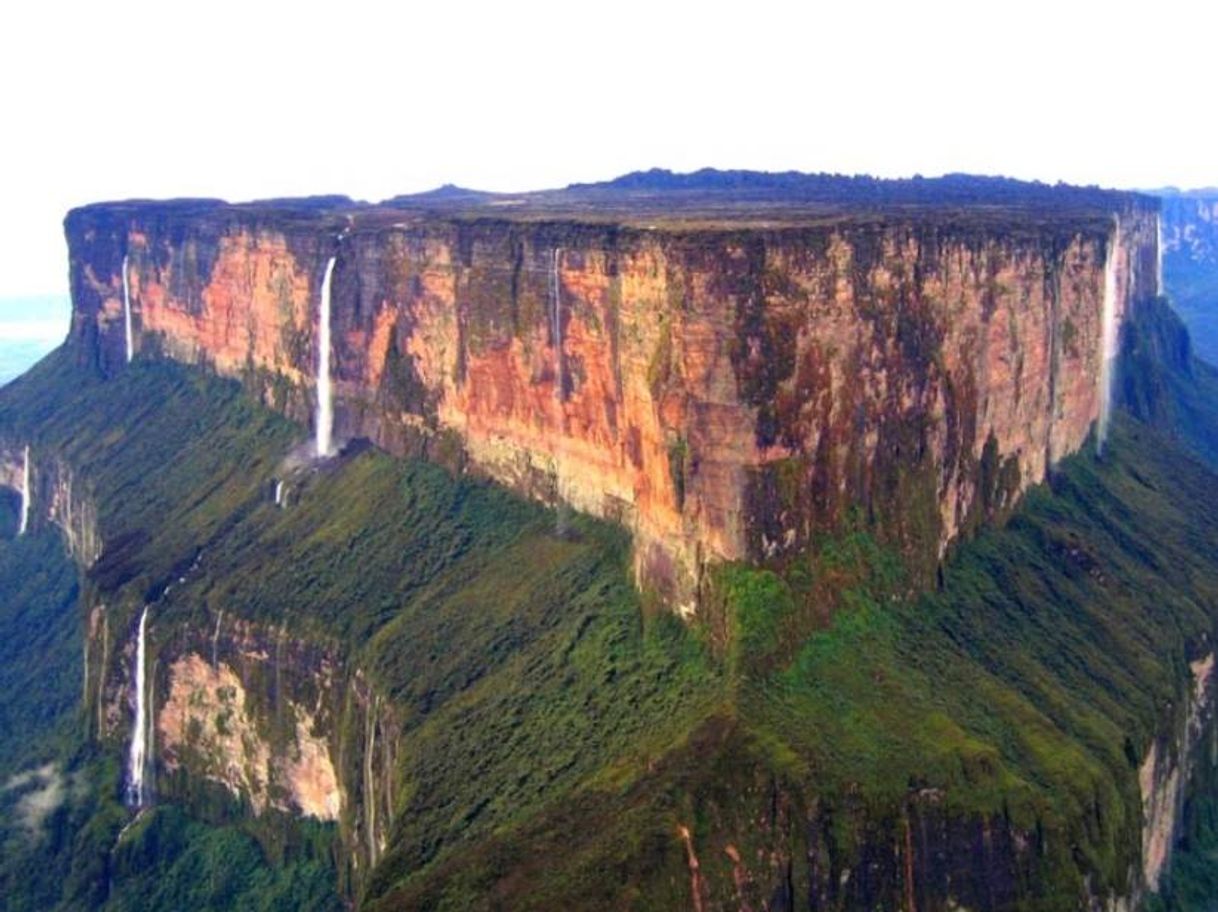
(725,391)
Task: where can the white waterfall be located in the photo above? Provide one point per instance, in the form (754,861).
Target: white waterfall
(25,494)
(560,518)
(1161,291)
(137,759)
(215,640)
(127,313)
(278,493)
(150,740)
(1109,337)
(370,780)
(325,404)
(556,314)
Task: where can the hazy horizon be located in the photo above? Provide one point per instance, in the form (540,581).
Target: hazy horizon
(1159,190)
(30,327)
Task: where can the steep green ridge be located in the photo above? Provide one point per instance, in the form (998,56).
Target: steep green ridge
(39,697)
(1166,386)
(58,813)
(1022,693)
(40,647)
(519,659)
(561,737)
(168,458)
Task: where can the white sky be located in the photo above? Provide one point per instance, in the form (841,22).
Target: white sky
(108,100)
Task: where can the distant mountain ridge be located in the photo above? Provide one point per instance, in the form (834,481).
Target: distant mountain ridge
(681,189)
(1189,193)
(954,188)
(711,185)
(1190,263)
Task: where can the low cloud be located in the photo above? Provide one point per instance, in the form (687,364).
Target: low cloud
(43,791)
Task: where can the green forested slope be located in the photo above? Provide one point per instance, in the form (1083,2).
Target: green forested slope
(562,735)
(520,658)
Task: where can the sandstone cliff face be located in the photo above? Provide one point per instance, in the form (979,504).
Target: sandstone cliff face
(726,393)
(274,721)
(1167,768)
(55,497)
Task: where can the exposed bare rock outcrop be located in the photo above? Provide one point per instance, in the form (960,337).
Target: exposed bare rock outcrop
(725,389)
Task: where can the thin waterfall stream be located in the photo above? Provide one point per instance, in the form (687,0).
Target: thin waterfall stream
(25,495)
(1108,337)
(325,394)
(137,758)
(127,314)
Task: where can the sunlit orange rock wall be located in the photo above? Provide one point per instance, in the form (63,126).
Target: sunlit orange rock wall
(724,394)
